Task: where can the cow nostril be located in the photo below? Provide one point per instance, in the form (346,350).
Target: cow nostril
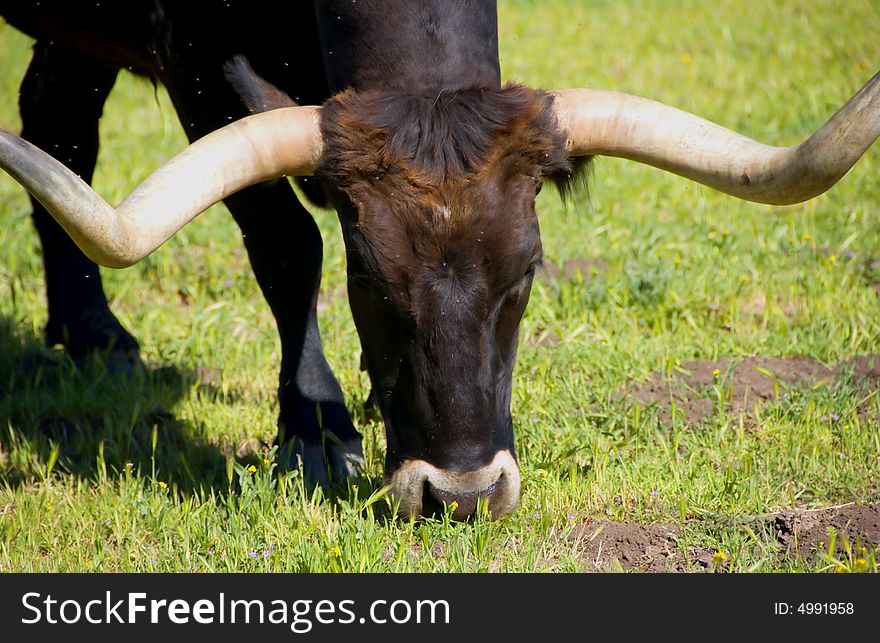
(430,505)
(459,503)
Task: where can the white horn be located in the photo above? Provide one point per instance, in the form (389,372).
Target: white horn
(282,142)
(612,124)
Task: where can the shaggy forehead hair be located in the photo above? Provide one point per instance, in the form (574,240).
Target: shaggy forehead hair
(444,182)
(431,145)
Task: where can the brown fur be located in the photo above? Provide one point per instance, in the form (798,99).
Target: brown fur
(444,183)
(431,141)
(427,175)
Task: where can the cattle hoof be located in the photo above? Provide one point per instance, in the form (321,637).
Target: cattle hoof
(120,364)
(347,459)
(123,363)
(96,337)
(319,468)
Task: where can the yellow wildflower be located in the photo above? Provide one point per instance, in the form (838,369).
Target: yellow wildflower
(718,557)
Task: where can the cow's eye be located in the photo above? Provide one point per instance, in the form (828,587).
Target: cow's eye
(524,281)
(536,263)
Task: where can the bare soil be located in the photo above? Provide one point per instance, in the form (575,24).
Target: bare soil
(694,393)
(608,546)
(698,390)
(803,533)
(806,531)
(584,267)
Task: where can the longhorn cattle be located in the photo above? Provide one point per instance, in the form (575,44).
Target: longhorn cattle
(433,166)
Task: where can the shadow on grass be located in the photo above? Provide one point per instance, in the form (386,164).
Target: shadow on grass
(98,423)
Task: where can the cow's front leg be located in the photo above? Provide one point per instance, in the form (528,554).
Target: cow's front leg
(62,98)
(285,250)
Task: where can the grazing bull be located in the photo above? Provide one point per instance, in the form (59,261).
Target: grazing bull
(433,167)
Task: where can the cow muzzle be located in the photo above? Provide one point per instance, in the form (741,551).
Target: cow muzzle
(421,488)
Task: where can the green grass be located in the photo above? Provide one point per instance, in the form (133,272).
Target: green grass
(153,473)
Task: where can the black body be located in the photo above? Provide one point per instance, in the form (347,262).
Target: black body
(432,165)
(80,48)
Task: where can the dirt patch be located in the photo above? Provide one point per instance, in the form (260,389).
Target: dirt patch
(802,533)
(697,390)
(808,533)
(580,266)
(864,370)
(606,546)
(208,376)
(547,338)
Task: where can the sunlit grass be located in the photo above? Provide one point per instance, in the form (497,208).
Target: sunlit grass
(172,472)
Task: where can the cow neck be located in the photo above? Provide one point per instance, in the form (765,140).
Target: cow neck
(409,46)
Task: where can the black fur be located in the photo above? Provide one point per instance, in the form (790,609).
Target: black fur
(432,165)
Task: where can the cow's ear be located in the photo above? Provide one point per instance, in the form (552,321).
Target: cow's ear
(573,183)
(258,94)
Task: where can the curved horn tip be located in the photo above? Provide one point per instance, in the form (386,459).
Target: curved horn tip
(606,123)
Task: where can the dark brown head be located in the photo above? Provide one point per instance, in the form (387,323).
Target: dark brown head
(436,196)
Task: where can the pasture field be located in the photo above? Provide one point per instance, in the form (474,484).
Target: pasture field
(696,387)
